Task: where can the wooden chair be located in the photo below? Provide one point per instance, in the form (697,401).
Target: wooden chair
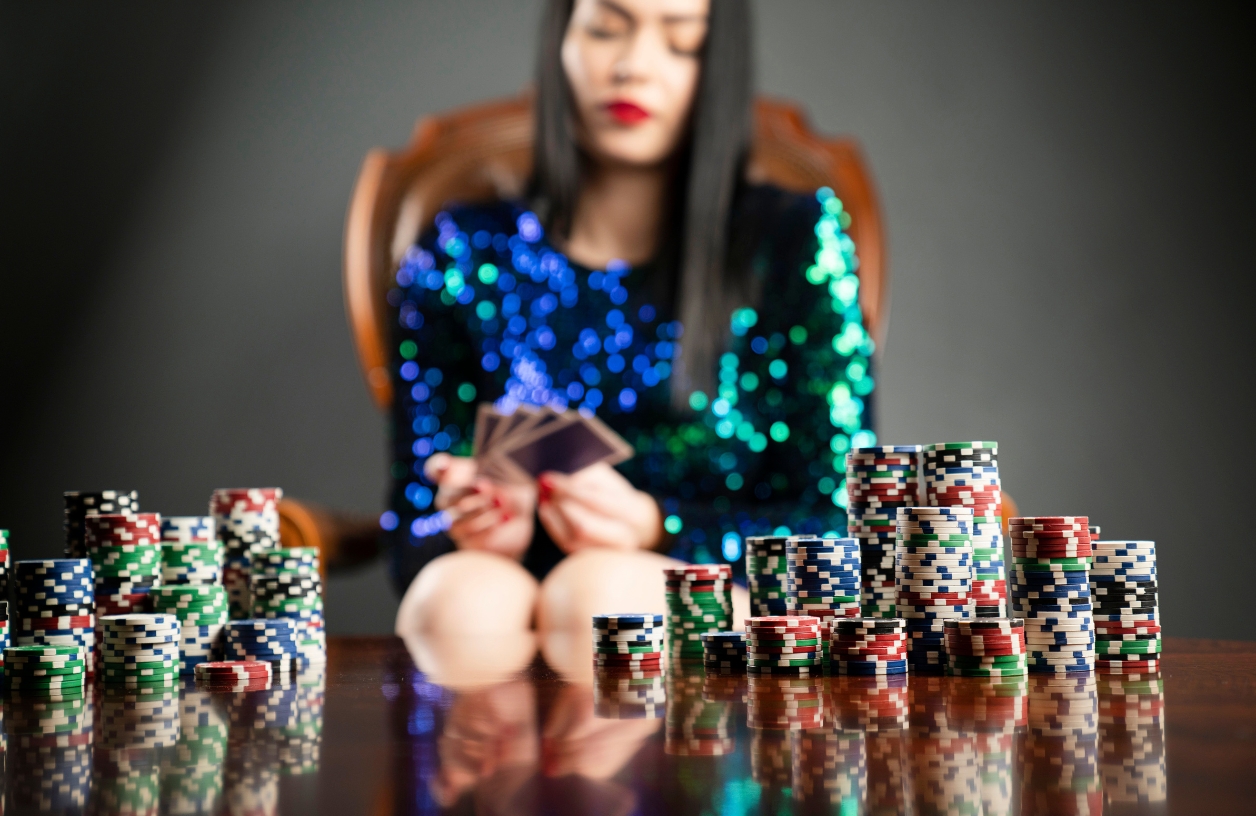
(484,152)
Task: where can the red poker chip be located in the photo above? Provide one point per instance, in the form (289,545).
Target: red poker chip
(1126,666)
(859,654)
(987,645)
(880,637)
(767,621)
(1046,551)
(1119,631)
(698,571)
(755,649)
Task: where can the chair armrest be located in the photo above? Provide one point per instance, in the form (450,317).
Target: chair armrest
(343,540)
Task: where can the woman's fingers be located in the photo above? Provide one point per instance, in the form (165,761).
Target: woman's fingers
(556,526)
(436,465)
(589,528)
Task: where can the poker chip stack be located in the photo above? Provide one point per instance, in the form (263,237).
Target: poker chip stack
(190,554)
(202,613)
(54,605)
(699,599)
(823,579)
(42,669)
(271,640)
(830,769)
(233,675)
(784,645)
(933,573)
(785,703)
(966,474)
(140,650)
(137,725)
(285,583)
(868,646)
(126,557)
(1051,591)
(247,521)
(766,570)
(80,504)
(191,775)
(724,652)
(695,726)
(1060,771)
(1126,607)
(50,766)
(4,565)
(1131,743)
(986,647)
(628,645)
(879,480)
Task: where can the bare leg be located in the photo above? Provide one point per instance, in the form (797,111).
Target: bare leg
(597,581)
(468,592)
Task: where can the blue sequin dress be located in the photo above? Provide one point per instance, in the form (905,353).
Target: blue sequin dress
(485,309)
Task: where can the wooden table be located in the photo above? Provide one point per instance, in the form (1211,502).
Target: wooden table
(392,741)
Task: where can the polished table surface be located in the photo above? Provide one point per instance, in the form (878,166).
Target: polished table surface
(375,734)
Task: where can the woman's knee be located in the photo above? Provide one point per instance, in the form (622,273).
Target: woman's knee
(468,591)
(598,581)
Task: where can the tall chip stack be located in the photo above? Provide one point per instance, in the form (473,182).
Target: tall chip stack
(79,504)
(54,605)
(966,474)
(285,583)
(699,599)
(879,480)
(1126,608)
(1051,591)
(823,580)
(202,613)
(126,555)
(766,568)
(4,565)
(933,574)
(247,520)
(190,551)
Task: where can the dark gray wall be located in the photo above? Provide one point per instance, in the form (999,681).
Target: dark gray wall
(1066,190)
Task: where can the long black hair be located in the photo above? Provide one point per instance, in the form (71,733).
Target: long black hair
(710,172)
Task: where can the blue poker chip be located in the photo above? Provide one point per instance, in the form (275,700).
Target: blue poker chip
(873,450)
(622,620)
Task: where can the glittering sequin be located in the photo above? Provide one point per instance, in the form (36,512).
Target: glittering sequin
(485,309)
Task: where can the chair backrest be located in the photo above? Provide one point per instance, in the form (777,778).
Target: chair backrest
(484,152)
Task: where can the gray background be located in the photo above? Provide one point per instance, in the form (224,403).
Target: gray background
(1066,190)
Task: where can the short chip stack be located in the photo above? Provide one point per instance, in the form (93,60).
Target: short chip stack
(80,504)
(766,570)
(54,605)
(724,652)
(966,474)
(247,521)
(933,572)
(126,555)
(233,675)
(1126,607)
(285,583)
(986,647)
(879,480)
(202,613)
(699,599)
(628,644)
(824,578)
(868,646)
(190,553)
(140,650)
(1051,591)
(271,640)
(44,669)
(784,645)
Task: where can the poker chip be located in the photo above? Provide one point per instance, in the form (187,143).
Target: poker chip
(54,601)
(879,480)
(766,571)
(699,599)
(271,639)
(784,645)
(986,647)
(967,474)
(81,504)
(868,646)
(823,579)
(246,521)
(285,583)
(724,652)
(139,648)
(933,578)
(1050,589)
(1125,606)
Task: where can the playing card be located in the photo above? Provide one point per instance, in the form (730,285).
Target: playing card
(522,445)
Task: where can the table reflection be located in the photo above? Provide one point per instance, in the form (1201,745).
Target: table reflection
(684,741)
(112,750)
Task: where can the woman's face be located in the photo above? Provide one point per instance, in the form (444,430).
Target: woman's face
(633,68)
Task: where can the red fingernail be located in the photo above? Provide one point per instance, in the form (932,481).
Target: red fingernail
(506,517)
(497,502)
(546,482)
(543,491)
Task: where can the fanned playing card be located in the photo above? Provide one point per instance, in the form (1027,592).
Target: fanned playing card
(532,440)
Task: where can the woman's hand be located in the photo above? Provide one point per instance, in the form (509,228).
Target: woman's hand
(486,515)
(597,507)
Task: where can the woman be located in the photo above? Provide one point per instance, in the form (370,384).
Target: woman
(713,324)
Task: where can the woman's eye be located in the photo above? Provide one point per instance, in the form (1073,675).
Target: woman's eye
(687,38)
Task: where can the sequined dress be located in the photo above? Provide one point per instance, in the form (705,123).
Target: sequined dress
(484,309)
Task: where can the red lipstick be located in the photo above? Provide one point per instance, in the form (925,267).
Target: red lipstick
(627,113)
